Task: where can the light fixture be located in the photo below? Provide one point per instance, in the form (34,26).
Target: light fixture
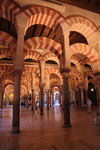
(92,89)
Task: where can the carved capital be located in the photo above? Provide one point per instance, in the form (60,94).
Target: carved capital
(18,71)
(64,70)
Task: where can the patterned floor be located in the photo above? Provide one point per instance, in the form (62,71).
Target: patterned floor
(46,132)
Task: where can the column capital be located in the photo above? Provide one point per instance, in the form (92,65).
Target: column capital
(32,90)
(81,85)
(97,74)
(65,72)
(41,85)
(18,71)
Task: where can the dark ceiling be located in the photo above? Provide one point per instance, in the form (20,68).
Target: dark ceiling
(92,5)
(8,27)
(44,31)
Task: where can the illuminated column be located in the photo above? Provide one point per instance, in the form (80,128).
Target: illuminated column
(18,68)
(16,103)
(97,67)
(97,73)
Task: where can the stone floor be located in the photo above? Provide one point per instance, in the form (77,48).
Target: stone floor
(46,132)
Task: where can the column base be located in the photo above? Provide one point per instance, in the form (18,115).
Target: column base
(66,125)
(15,130)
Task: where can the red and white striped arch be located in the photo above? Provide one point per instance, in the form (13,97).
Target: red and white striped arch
(43,43)
(6,69)
(32,55)
(6,54)
(7,77)
(75,60)
(48,71)
(7,40)
(32,69)
(7,73)
(51,56)
(76,73)
(83,25)
(87,51)
(24,82)
(42,15)
(55,80)
(8,82)
(23,90)
(89,73)
(9,10)
(9,89)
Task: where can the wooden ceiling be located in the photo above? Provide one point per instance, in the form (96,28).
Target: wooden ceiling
(92,5)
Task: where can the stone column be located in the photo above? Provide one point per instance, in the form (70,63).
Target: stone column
(32,99)
(42,67)
(27,99)
(81,69)
(24,100)
(97,76)
(41,99)
(48,100)
(18,68)
(1,96)
(65,74)
(60,98)
(86,87)
(52,98)
(32,84)
(16,103)
(75,88)
(82,96)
